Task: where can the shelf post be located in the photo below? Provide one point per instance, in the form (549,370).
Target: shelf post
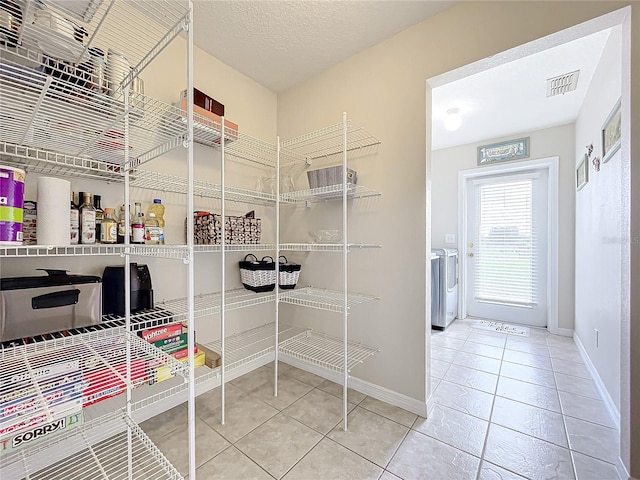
(223,257)
(345,258)
(190,267)
(275,358)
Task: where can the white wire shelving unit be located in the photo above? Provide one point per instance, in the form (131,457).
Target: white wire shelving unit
(54,121)
(334,354)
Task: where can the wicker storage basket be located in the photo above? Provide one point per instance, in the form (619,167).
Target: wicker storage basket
(289,274)
(258,275)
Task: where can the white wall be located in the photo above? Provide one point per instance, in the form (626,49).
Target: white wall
(556,141)
(599,238)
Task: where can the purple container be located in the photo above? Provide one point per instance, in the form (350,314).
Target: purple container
(11,205)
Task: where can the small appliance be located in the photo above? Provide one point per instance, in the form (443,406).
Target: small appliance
(113,289)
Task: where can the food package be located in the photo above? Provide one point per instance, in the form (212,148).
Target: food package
(212,358)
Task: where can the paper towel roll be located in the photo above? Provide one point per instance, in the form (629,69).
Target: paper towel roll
(53,225)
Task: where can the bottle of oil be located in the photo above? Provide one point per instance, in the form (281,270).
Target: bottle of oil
(109,228)
(137,225)
(75,221)
(87,220)
(99,216)
(123,218)
(154,224)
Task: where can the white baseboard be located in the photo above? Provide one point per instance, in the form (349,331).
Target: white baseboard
(384,394)
(604,394)
(623,474)
(565,332)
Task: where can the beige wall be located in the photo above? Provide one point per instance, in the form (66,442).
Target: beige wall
(550,142)
(384,89)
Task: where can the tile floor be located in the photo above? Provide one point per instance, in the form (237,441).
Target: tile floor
(506,407)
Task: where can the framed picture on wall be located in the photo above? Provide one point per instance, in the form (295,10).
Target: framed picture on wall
(500,152)
(611,133)
(582,172)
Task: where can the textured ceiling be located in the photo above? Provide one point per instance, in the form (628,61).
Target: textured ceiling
(282,43)
(511,98)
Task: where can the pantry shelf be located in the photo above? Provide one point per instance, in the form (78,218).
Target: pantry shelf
(97,449)
(325,351)
(325,247)
(331,192)
(172,252)
(49,380)
(329,141)
(321,299)
(260,247)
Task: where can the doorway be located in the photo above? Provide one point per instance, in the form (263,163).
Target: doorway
(508,237)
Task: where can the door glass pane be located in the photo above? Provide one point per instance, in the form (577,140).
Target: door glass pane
(506,267)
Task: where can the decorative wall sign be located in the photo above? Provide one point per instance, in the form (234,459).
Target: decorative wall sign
(611,133)
(503,151)
(582,172)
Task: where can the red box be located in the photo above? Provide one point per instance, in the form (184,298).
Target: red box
(161,333)
(184,353)
(103,384)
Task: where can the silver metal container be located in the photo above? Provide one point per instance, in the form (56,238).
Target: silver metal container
(31,306)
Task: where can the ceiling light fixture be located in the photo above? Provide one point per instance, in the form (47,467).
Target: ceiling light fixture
(453,120)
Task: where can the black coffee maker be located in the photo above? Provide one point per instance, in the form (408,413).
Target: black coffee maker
(113,289)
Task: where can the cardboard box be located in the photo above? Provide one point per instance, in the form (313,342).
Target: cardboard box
(39,432)
(161,333)
(103,384)
(183,354)
(173,344)
(27,422)
(211,120)
(212,359)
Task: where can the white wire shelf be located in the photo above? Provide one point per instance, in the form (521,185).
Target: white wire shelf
(329,141)
(331,192)
(325,351)
(321,299)
(326,247)
(250,345)
(98,449)
(45,381)
(258,247)
(172,252)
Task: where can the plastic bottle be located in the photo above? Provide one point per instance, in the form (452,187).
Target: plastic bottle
(87,220)
(154,224)
(137,225)
(109,230)
(99,216)
(123,218)
(75,222)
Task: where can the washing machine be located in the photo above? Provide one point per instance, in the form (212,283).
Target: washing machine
(444,298)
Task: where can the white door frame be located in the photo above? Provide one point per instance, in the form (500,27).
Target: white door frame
(549,164)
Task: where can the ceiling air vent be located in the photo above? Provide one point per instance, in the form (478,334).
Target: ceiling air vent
(562,83)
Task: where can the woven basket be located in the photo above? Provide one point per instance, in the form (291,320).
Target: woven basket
(258,275)
(289,274)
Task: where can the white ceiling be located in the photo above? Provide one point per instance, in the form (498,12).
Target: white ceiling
(510,99)
(282,43)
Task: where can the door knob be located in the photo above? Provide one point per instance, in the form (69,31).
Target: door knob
(469,254)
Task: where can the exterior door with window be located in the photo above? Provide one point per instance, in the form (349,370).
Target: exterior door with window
(507,247)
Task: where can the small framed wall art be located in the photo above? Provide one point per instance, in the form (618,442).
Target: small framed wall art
(611,133)
(503,151)
(582,172)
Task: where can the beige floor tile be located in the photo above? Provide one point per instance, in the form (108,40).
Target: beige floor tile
(208,444)
(529,393)
(231,464)
(538,376)
(423,457)
(528,359)
(537,422)
(329,460)
(497,340)
(462,334)
(579,386)
(594,440)
(388,476)
(278,444)
(318,410)
(570,368)
(588,468)
(566,352)
(391,412)
(471,360)
(374,437)
(160,425)
(439,368)
(472,378)
(483,350)
(254,379)
(303,376)
(241,416)
(454,428)
(443,354)
(489,471)
(463,399)
(585,408)
(527,456)
(336,390)
(527,347)
(447,342)
(289,390)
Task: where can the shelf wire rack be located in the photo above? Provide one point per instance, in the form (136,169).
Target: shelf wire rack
(329,300)
(325,247)
(93,450)
(328,141)
(331,192)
